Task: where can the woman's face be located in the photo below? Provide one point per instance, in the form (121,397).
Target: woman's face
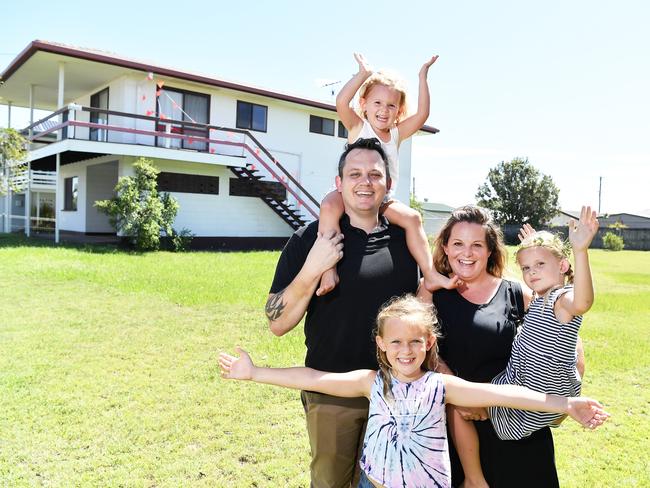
(467,251)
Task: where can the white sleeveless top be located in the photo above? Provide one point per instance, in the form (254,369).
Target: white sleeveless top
(391,149)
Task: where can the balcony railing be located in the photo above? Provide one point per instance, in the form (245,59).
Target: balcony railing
(37,180)
(74,122)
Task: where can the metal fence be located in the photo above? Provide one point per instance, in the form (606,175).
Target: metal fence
(635,239)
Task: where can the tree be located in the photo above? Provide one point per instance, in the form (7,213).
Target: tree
(518,193)
(13,153)
(137,211)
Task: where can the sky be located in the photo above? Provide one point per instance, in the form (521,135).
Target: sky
(565,84)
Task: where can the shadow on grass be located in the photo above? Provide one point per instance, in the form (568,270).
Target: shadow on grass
(20,240)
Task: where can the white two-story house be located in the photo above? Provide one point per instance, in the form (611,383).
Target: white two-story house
(247,165)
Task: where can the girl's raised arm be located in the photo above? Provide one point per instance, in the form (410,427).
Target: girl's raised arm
(352,384)
(581,234)
(349,117)
(589,413)
(412,124)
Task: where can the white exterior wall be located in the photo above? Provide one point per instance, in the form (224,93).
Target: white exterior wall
(72,220)
(100,184)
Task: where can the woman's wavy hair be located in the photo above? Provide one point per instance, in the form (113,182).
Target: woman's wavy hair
(493,236)
(409,309)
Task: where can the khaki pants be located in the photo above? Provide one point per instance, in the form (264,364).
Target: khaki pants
(336,427)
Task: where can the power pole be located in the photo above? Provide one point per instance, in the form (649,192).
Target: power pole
(600,191)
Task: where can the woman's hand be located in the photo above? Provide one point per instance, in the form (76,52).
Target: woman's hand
(589,413)
(472,413)
(233,368)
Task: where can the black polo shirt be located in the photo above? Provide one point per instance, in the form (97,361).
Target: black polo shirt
(374,268)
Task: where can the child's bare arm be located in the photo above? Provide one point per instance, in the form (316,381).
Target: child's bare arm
(331,211)
(352,384)
(580,236)
(349,117)
(584,410)
(412,124)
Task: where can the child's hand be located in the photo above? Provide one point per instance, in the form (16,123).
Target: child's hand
(364,67)
(525,231)
(582,232)
(435,281)
(589,413)
(425,67)
(325,253)
(233,368)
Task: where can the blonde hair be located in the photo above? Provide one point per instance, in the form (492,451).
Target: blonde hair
(472,214)
(554,243)
(391,81)
(408,309)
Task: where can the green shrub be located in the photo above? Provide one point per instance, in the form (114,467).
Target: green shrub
(181,240)
(613,242)
(137,211)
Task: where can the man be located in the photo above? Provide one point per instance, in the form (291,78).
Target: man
(338,327)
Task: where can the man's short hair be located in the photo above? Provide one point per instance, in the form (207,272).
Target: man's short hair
(372,144)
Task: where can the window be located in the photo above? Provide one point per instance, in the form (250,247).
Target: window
(186,106)
(183,183)
(251,116)
(343,132)
(99,100)
(70,193)
(320,125)
(243,188)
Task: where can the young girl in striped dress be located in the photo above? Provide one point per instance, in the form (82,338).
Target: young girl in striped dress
(406,438)
(544,351)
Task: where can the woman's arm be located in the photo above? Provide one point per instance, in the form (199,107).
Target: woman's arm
(352,384)
(412,124)
(349,117)
(584,410)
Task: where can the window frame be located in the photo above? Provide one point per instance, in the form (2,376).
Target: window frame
(71,194)
(240,125)
(317,125)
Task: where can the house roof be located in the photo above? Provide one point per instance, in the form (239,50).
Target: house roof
(38,64)
(436,207)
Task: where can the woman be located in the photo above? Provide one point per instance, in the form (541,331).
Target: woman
(478,322)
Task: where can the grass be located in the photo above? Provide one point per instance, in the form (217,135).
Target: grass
(108,373)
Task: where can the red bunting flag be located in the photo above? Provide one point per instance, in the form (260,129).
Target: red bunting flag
(211,150)
(149,113)
(150,76)
(162,117)
(144,97)
(158,93)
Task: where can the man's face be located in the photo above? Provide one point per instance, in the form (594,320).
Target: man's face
(363,184)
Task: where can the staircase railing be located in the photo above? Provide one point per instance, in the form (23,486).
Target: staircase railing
(190,133)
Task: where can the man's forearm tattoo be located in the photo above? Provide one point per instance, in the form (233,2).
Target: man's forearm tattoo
(275,306)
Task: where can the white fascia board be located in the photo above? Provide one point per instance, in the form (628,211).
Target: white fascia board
(152,152)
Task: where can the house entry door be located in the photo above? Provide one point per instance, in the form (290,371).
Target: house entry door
(99,100)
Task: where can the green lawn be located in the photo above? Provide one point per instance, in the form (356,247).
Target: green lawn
(108,374)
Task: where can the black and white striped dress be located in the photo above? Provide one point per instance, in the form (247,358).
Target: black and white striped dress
(543,359)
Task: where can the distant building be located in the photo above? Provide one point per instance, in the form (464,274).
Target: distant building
(435,216)
(630,221)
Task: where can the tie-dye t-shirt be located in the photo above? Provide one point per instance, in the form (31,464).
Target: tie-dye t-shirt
(406,437)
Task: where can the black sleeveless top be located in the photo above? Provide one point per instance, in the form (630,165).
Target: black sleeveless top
(477,339)
(476,345)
